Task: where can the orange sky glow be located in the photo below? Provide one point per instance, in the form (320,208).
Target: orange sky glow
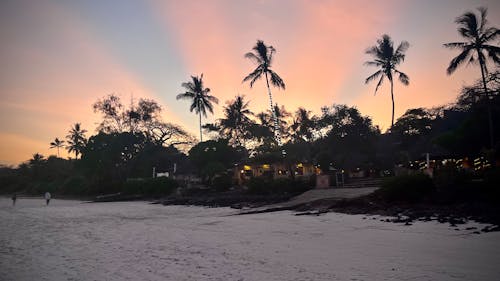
(59,57)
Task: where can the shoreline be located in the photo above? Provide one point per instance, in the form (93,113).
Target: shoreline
(369,205)
(453,214)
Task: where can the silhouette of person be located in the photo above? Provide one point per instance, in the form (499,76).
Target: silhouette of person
(14,198)
(47,197)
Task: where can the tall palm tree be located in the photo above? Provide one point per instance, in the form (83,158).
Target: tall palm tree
(201,100)
(57,143)
(262,55)
(282,116)
(76,139)
(386,59)
(476,49)
(236,121)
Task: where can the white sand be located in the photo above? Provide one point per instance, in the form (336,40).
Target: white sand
(69,240)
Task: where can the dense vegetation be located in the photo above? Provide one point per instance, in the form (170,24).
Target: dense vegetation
(132,142)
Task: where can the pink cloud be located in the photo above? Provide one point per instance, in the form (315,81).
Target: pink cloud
(318,47)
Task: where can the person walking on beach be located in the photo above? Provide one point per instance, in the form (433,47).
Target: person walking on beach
(47,197)
(14,198)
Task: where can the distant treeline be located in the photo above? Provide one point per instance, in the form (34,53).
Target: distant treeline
(131,141)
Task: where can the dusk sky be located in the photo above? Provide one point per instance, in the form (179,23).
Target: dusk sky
(59,57)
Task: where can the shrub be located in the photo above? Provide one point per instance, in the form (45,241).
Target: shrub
(150,187)
(222,183)
(449,177)
(492,184)
(75,185)
(259,185)
(407,188)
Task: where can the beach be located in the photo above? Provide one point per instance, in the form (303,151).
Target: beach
(74,240)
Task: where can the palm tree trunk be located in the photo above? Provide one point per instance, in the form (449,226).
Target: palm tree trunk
(201,136)
(58,151)
(392,97)
(490,119)
(275,118)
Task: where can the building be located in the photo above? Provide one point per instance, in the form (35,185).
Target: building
(277,170)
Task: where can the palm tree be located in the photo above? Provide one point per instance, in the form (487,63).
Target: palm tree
(36,163)
(303,125)
(386,59)
(262,55)
(201,100)
(476,48)
(281,119)
(37,159)
(57,143)
(236,121)
(76,139)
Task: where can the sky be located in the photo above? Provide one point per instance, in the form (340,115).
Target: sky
(59,57)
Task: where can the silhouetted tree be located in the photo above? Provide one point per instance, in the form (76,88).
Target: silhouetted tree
(76,139)
(303,125)
(113,116)
(213,157)
(350,138)
(200,97)
(35,164)
(476,49)
(236,120)
(57,143)
(412,130)
(37,159)
(108,158)
(261,132)
(168,134)
(473,95)
(282,118)
(386,59)
(262,55)
(117,118)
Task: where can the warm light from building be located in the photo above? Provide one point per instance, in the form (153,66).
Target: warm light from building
(266,166)
(247,168)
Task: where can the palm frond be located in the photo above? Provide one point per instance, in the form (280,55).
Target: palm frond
(483,11)
(490,34)
(378,84)
(256,74)
(208,105)
(493,52)
(186,95)
(372,51)
(193,106)
(457,61)
(373,63)
(253,57)
(276,80)
(456,45)
(403,47)
(212,99)
(468,23)
(373,76)
(403,77)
